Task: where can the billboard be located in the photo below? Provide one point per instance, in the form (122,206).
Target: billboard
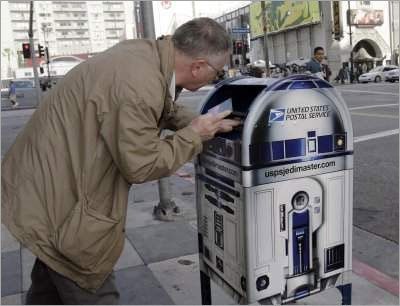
(363,17)
(282,15)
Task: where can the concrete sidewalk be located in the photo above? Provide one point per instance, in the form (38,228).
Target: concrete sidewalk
(159,264)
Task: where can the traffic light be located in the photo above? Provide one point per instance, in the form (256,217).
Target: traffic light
(26,50)
(41,50)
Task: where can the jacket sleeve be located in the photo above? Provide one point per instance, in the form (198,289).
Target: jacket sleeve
(131,134)
(179,118)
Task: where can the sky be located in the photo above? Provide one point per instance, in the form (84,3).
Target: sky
(166,17)
(170,14)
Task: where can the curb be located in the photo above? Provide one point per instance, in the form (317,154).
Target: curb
(376,277)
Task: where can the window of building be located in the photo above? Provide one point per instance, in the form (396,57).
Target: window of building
(64,32)
(365,2)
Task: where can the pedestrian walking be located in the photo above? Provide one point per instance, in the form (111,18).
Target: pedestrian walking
(346,73)
(12,94)
(315,66)
(340,76)
(65,180)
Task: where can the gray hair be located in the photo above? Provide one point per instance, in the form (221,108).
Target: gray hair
(202,37)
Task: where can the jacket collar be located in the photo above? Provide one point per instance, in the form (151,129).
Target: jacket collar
(315,60)
(166,53)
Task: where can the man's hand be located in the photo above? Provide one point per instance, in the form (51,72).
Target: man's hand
(209,124)
(226,125)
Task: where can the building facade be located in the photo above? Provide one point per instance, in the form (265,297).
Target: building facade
(295,28)
(237,24)
(65,27)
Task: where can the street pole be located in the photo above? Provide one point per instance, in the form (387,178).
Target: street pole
(243,41)
(48,62)
(351,44)
(146,9)
(33,56)
(166,207)
(391,29)
(193,9)
(264,20)
(45,30)
(138,20)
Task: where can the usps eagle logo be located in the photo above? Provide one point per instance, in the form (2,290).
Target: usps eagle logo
(276,115)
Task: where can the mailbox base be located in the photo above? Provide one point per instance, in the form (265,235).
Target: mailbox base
(345,290)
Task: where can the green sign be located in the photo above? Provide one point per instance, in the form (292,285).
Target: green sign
(282,15)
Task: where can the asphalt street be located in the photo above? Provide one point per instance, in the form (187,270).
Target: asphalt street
(374,108)
(375,115)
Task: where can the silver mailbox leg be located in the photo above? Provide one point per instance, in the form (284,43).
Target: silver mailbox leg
(272,300)
(205,288)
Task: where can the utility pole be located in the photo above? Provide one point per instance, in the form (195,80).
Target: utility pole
(264,20)
(166,207)
(351,43)
(33,56)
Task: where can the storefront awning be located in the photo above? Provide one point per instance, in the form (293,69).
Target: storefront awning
(363,56)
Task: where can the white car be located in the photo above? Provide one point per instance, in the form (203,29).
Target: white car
(376,74)
(392,75)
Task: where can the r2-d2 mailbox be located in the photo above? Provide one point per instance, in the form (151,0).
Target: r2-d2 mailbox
(274,197)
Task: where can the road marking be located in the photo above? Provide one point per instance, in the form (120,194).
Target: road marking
(375,84)
(371,92)
(373,106)
(376,277)
(376,135)
(374,115)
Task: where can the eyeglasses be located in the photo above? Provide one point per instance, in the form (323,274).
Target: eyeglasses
(219,73)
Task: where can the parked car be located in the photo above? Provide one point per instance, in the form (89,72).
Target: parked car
(376,75)
(392,75)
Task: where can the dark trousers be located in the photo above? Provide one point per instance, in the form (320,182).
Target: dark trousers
(51,288)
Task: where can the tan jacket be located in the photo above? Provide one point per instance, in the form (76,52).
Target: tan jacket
(65,180)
